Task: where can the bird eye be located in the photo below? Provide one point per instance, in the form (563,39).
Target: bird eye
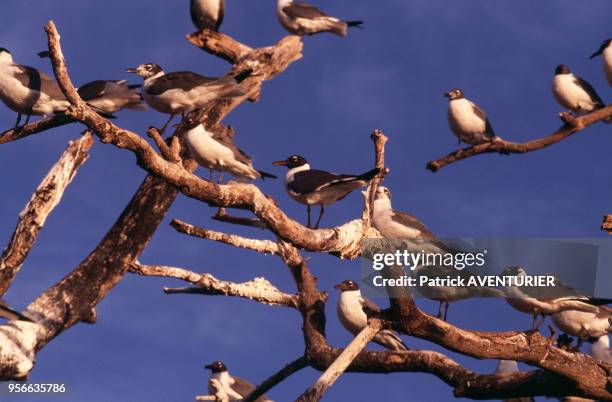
(148,67)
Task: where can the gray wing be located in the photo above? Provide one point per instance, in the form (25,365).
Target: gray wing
(303,10)
(185,80)
(551,293)
(368,305)
(244,387)
(481,114)
(406,219)
(38,81)
(221,15)
(228,141)
(590,90)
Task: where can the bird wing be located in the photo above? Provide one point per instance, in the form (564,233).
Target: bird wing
(312,180)
(303,10)
(409,220)
(228,141)
(244,387)
(221,15)
(482,115)
(185,80)
(38,81)
(589,89)
(91,90)
(368,305)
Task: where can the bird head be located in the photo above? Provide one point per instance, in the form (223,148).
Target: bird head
(216,367)
(454,94)
(562,69)
(603,47)
(347,285)
(513,271)
(189,123)
(5,56)
(292,162)
(383,193)
(146,70)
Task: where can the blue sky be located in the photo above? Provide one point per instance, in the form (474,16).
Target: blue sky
(148,346)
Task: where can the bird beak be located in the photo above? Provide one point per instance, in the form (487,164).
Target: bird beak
(208,366)
(338,286)
(447,94)
(280,163)
(597,53)
(44,54)
(131,70)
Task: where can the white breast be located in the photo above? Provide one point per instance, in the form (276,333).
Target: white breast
(205,150)
(462,118)
(382,219)
(227,381)
(350,312)
(571,95)
(607,63)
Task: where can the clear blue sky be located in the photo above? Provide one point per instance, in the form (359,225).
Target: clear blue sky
(149,346)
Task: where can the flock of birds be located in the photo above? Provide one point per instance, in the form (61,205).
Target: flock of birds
(28,91)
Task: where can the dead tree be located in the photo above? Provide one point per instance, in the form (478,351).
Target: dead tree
(74,298)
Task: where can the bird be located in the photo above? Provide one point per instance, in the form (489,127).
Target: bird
(353,311)
(108,96)
(467,121)
(508,367)
(415,236)
(217,151)
(304,19)
(547,300)
(236,388)
(185,91)
(574,93)
(605,51)
(584,325)
(600,349)
(28,91)
(318,187)
(207,14)
(11,314)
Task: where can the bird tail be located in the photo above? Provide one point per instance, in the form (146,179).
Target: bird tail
(102,112)
(265,175)
(369,175)
(390,340)
(490,292)
(354,24)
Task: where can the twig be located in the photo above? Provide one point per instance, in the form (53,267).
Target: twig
(380,140)
(219,45)
(261,246)
(35,127)
(335,370)
(259,289)
(165,150)
(47,196)
(223,216)
(572,126)
(277,377)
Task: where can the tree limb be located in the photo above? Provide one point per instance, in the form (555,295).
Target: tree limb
(35,127)
(572,126)
(219,45)
(47,196)
(259,289)
(277,378)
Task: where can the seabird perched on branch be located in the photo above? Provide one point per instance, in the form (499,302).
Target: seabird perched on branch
(185,91)
(217,151)
(10,313)
(207,14)
(547,300)
(468,122)
(413,234)
(304,19)
(318,187)
(108,96)
(574,93)
(509,367)
(28,91)
(353,311)
(584,325)
(600,349)
(605,51)
(235,388)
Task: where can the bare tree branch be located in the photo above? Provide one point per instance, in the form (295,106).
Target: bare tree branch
(259,289)
(262,246)
(572,126)
(223,216)
(35,127)
(335,370)
(277,378)
(47,196)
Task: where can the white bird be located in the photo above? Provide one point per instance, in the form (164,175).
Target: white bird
(574,93)
(304,19)
(508,367)
(235,388)
(207,14)
(605,51)
(185,91)
(219,152)
(547,300)
(600,349)
(416,237)
(28,91)
(352,312)
(11,314)
(318,187)
(584,325)
(467,121)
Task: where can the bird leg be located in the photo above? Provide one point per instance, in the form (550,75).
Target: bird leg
(166,125)
(446,305)
(220,176)
(18,120)
(308,214)
(320,216)
(28,118)
(439,315)
(211,178)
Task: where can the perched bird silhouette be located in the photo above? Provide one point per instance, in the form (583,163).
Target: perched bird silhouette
(574,93)
(467,121)
(207,14)
(235,388)
(605,51)
(305,19)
